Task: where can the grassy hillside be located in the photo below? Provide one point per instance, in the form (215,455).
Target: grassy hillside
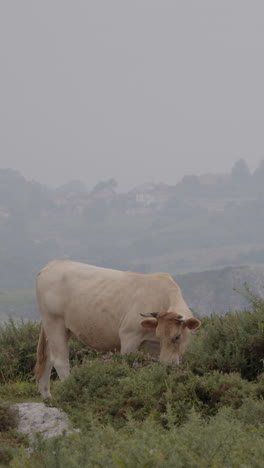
(136,412)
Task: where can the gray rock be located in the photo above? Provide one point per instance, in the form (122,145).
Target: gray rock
(37,418)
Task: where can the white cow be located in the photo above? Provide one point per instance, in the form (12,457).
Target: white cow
(103,308)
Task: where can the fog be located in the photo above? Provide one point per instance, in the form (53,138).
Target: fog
(140,91)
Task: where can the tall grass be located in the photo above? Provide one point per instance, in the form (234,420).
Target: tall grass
(18,342)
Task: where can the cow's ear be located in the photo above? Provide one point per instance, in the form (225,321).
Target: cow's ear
(192,323)
(149,323)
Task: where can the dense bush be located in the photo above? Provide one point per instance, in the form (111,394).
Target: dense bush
(113,391)
(10,444)
(18,391)
(222,441)
(136,412)
(18,343)
(8,421)
(230,343)
(8,417)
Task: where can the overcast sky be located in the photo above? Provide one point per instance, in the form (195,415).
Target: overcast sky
(138,90)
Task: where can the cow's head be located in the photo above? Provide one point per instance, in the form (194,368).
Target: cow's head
(173,331)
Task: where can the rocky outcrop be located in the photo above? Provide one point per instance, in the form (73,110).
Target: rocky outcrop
(36,418)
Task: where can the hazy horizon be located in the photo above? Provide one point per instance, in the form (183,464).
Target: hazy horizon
(144,91)
(120,187)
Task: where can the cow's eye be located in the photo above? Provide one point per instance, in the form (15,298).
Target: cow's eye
(176,338)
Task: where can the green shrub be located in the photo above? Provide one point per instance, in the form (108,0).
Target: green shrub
(6,453)
(251,412)
(8,417)
(207,394)
(136,412)
(10,439)
(260,385)
(113,391)
(18,343)
(232,343)
(219,442)
(10,442)
(20,390)
(18,346)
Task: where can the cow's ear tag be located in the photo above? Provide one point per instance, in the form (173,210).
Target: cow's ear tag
(151,324)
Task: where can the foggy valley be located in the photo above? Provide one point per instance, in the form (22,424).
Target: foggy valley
(207,231)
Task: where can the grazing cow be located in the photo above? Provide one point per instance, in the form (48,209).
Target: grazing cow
(103,308)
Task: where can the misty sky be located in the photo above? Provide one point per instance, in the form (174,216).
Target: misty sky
(139,90)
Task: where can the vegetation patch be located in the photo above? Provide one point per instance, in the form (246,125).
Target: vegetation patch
(10,440)
(18,343)
(134,411)
(15,392)
(114,392)
(220,441)
(8,417)
(230,343)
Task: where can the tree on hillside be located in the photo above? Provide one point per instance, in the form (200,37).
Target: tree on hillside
(260,168)
(189,187)
(109,184)
(95,212)
(74,185)
(21,195)
(240,173)
(258,178)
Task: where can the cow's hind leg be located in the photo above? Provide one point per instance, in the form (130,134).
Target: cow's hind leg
(44,380)
(43,365)
(58,337)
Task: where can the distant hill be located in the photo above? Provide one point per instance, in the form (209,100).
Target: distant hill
(205,292)
(201,223)
(215,291)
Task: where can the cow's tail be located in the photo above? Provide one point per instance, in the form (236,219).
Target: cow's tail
(41,355)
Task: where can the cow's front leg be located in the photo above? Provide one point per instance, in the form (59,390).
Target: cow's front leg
(130,342)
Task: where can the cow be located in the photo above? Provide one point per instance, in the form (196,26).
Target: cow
(104,308)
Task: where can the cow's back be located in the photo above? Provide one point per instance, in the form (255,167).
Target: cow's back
(60,282)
